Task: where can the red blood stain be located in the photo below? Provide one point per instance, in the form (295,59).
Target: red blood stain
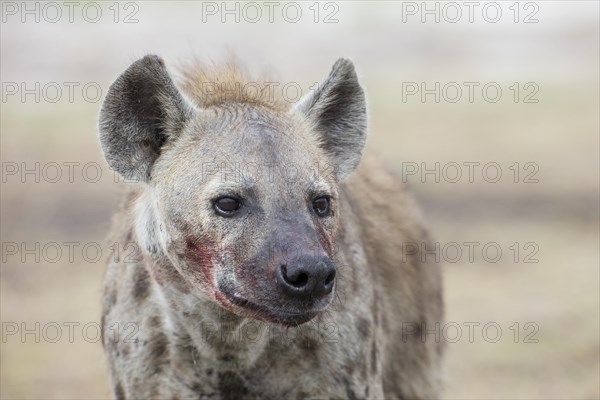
(200,258)
(223,301)
(325,239)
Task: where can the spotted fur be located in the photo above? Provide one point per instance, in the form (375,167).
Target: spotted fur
(194,311)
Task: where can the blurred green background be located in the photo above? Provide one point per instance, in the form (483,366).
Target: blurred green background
(554,221)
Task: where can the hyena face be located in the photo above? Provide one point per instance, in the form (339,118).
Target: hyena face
(252,226)
(240,199)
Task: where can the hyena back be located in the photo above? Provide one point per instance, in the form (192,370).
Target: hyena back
(257,258)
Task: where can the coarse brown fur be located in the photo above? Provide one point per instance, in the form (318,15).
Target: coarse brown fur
(190,305)
(214,85)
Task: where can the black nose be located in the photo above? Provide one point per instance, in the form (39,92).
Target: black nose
(307,277)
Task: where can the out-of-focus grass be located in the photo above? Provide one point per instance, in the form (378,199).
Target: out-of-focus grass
(559,293)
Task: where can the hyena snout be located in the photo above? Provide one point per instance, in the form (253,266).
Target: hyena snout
(307,277)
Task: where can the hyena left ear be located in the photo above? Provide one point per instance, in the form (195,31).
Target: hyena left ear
(338,111)
(141,112)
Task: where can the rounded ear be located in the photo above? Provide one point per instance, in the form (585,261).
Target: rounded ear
(142,110)
(338,111)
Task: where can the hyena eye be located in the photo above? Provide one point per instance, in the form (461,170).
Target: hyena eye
(321,206)
(226,206)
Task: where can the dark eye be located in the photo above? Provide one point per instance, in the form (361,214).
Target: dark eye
(321,206)
(226,206)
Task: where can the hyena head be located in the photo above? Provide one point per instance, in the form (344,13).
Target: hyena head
(240,193)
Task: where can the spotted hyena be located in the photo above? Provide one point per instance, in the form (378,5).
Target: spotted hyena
(256,258)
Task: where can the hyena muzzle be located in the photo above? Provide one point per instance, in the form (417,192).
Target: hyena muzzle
(255,258)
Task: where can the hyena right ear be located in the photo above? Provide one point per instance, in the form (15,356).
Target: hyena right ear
(142,110)
(339,113)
